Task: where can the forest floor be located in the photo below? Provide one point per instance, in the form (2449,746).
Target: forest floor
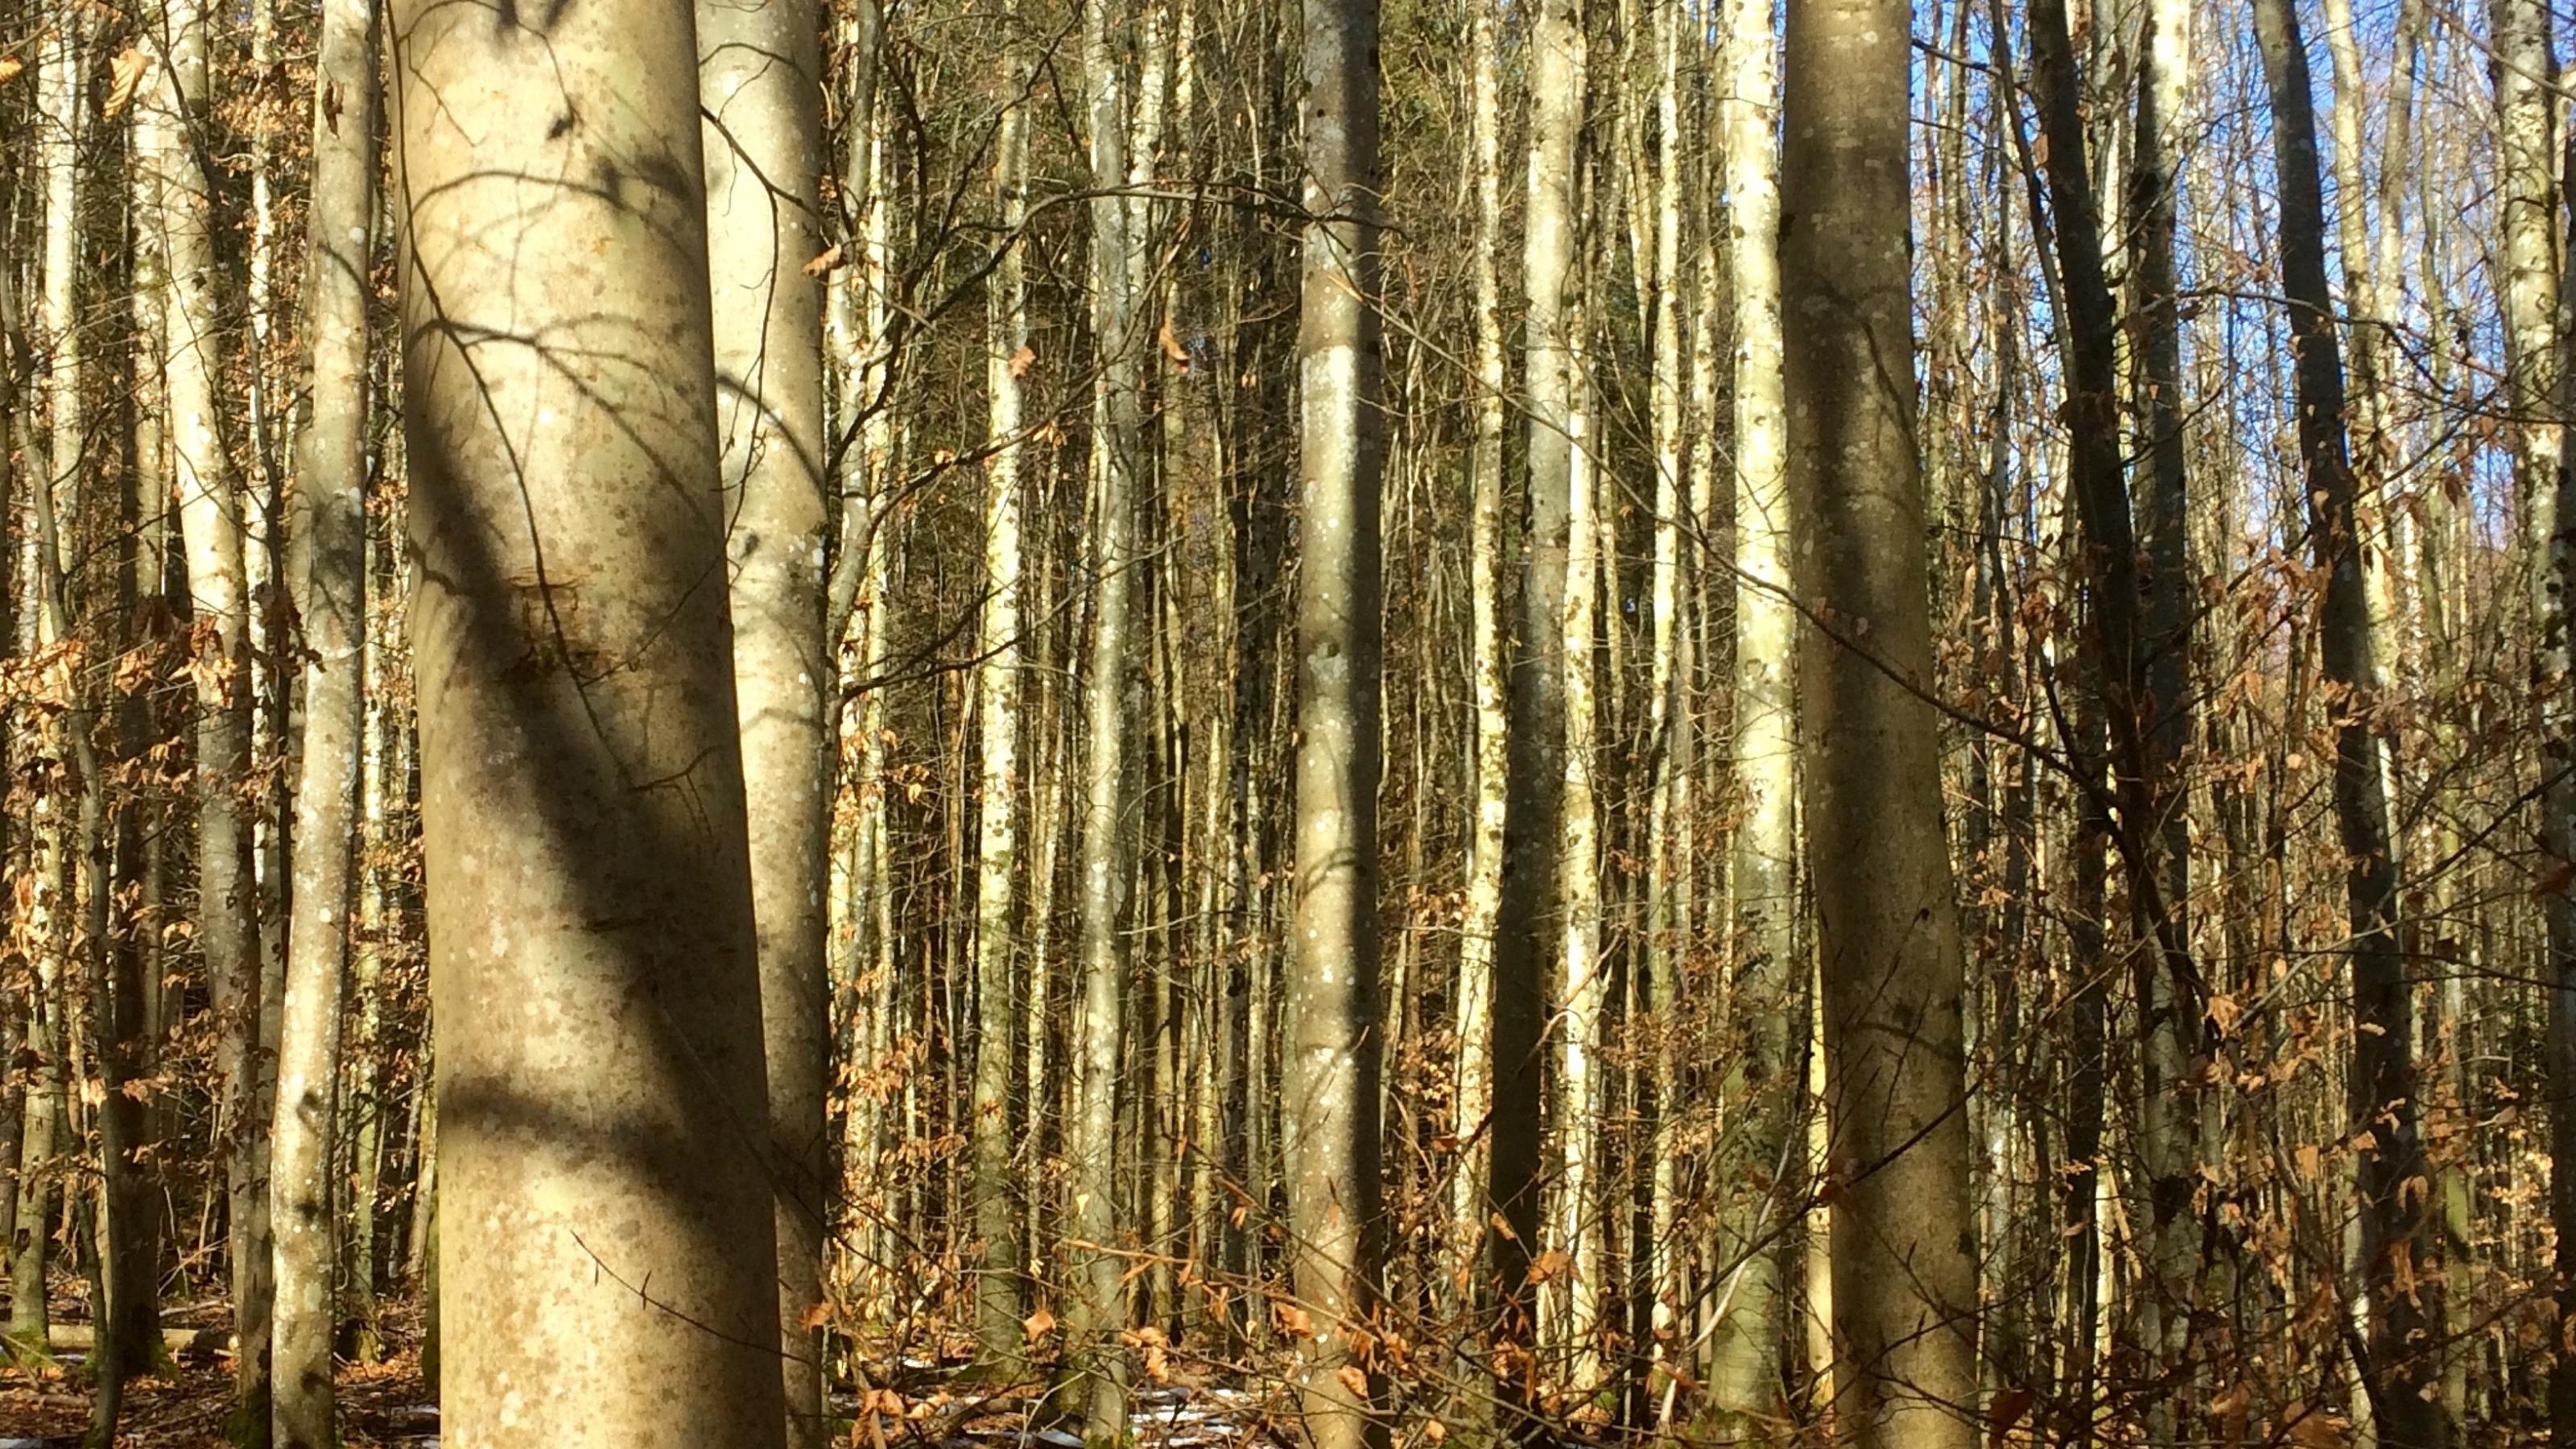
(183,1404)
(386,1405)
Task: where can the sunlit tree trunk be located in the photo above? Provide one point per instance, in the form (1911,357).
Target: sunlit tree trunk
(1531,844)
(2171,1135)
(1583,986)
(1669,901)
(1330,1077)
(210,520)
(997,687)
(608,1263)
(331,460)
(1484,883)
(44,931)
(1107,859)
(1904,1284)
(759,83)
(1762,1083)
(2526,69)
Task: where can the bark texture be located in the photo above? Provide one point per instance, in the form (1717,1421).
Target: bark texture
(608,1259)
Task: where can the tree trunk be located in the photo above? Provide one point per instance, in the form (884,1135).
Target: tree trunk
(1330,1081)
(1762,1085)
(2526,68)
(1107,862)
(2403,1306)
(760,87)
(1530,889)
(997,686)
(1904,1280)
(609,1267)
(331,468)
(1477,945)
(2171,1113)
(210,513)
(46,933)
(1583,971)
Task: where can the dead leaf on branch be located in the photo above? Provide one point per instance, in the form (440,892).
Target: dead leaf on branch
(824,261)
(1021,361)
(11,67)
(125,73)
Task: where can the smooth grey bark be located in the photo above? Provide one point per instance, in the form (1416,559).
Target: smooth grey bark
(47,931)
(2536,376)
(999,1338)
(1107,862)
(608,1263)
(1887,935)
(760,87)
(1536,768)
(210,513)
(2403,1307)
(2160,498)
(330,465)
(1330,1078)
(1762,1083)
(1475,994)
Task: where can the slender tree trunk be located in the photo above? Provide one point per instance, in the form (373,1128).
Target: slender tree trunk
(589,890)
(1762,1083)
(2526,69)
(1904,1281)
(1475,996)
(760,86)
(1107,862)
(331,467)
(2403,1305)
(1670,725)
(997,686)
(1583,979)
(210,513)
(1530,889)
(45,933)
(2171,1135)
(1331,1077)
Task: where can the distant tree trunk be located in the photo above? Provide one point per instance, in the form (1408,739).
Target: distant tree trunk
(1329,1115)
(760,87)
(1761,1085)
(210,521)
(589,889)
(1670,902)
(1583,972)
(1904,1280)
(17,441)
(2171,1135)
(1530,890)
(2403,1305)
(2526,69)
(997,686)
(1107,863)
(331,466)
(45,933)
(1475,996)
(2125,666)
(75,952)
(143,1006)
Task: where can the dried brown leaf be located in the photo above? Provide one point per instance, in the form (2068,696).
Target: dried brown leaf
(125,73)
